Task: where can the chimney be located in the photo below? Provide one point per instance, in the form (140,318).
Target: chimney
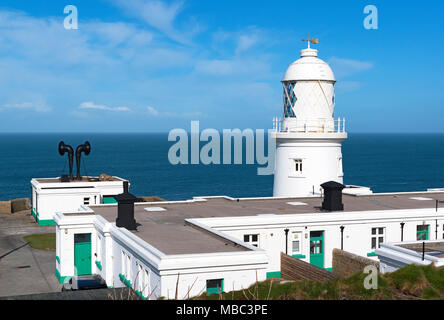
(125,209)
(332,196)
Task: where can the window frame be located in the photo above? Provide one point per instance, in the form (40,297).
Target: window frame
(248,238)
(377,237)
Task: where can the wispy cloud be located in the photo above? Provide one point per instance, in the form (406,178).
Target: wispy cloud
(348,67)
(185,115)
(27,106)
(92,106)
(159,15)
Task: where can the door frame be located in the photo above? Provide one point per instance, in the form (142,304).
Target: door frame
(322,238)
(86,247)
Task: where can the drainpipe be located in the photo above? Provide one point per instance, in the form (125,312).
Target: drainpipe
(423,251)
(436,229)
(402,231)
(342,237)
(286,241)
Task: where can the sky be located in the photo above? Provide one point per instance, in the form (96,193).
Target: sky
(154,65)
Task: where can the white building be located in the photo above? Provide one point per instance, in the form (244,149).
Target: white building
(308,139)
(50,195)
(220,243)
(68,193)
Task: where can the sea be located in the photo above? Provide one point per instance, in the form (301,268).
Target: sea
(383,162)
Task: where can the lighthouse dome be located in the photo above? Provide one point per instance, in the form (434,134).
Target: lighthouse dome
(309,67)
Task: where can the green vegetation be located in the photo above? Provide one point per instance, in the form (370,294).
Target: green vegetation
(46,241)
(410,282)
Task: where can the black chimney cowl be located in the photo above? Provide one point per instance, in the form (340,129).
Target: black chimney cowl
(125,209)
(332,196)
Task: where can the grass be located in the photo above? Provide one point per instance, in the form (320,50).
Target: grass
(46,241)
(409,283)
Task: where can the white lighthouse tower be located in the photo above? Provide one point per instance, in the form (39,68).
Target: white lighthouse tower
(308,139)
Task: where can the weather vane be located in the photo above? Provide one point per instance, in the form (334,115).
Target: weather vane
(312,40)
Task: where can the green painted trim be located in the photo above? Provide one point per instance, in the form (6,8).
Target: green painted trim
(61,279)
(299,256)
(276,274)
(58,259)
(216,290)
(329,269)
(127,282)
(99,265)
(109,200)
(372,254)
(111,287)
(49,222)
(143,298)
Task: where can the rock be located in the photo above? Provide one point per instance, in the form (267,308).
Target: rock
(5,207)
(20,205)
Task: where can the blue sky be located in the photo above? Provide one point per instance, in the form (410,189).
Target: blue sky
(151,65)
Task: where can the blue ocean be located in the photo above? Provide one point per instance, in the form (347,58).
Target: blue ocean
(384,162)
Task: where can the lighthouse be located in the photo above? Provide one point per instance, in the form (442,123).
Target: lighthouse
(308,138)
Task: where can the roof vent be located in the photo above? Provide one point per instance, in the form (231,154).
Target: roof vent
(125,209)
(332,196)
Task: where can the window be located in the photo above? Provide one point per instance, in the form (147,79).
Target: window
(252,239)
(298,165)
(215,286)
(316,242)
(377,237)
(86,201)
(296,243)
(289,99)
(422,232)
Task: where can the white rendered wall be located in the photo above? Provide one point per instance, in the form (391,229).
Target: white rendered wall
(49,198)
(159,271)
(357,231)
(321,162)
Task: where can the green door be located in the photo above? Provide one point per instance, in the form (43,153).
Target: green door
(317,248)
(82,254)
(422,232)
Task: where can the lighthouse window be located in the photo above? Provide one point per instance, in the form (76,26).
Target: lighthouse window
(289,99)
(298,165)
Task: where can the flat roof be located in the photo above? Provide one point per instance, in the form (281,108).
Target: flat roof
(83,179)
(164,227)
(435,249)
